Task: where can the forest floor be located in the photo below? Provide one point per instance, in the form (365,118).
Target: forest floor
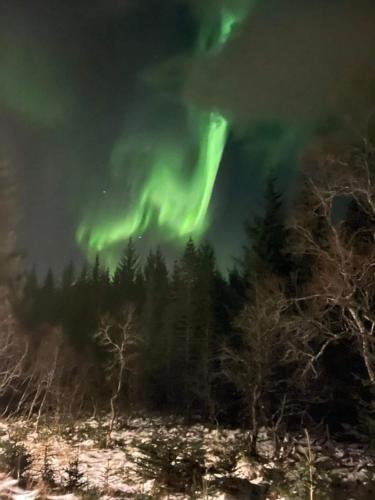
(146,458)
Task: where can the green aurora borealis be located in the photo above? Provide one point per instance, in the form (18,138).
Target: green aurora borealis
(30,81)
(161,119)
(176,203)
(173,197)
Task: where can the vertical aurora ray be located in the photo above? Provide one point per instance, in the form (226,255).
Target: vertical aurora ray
(172,197)
(212,145)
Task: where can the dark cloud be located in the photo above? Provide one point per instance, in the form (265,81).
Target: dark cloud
(119,67)
(294,59)
(87,59)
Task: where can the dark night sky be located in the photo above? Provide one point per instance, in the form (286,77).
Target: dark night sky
(75,76)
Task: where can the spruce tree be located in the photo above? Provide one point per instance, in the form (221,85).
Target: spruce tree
(190,327)
(27,307)
(205,328)
(128,281)
(173,339)
(48,299)
(68,276)
(153,318)
(66,295)
(267,235)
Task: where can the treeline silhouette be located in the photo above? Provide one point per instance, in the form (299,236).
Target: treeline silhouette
(286,338)
(180,321)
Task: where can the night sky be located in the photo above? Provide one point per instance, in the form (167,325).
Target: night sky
(161,119)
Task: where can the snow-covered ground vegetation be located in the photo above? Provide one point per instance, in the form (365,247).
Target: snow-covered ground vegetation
(165,458)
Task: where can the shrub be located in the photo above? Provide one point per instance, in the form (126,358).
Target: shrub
(16,459)
(175,464)
(75,480)
(47,472)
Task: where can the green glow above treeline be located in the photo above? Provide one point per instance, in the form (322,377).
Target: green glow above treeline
(175,203)
(30,83)
(172,197)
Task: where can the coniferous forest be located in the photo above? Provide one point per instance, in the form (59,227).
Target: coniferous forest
(282,343)
(187,249)
(284,338)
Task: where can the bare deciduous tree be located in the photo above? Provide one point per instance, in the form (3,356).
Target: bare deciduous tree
(338,301)
(120,340)
(253,366)
(14,349)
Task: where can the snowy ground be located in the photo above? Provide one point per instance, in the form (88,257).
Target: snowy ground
(109,470)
